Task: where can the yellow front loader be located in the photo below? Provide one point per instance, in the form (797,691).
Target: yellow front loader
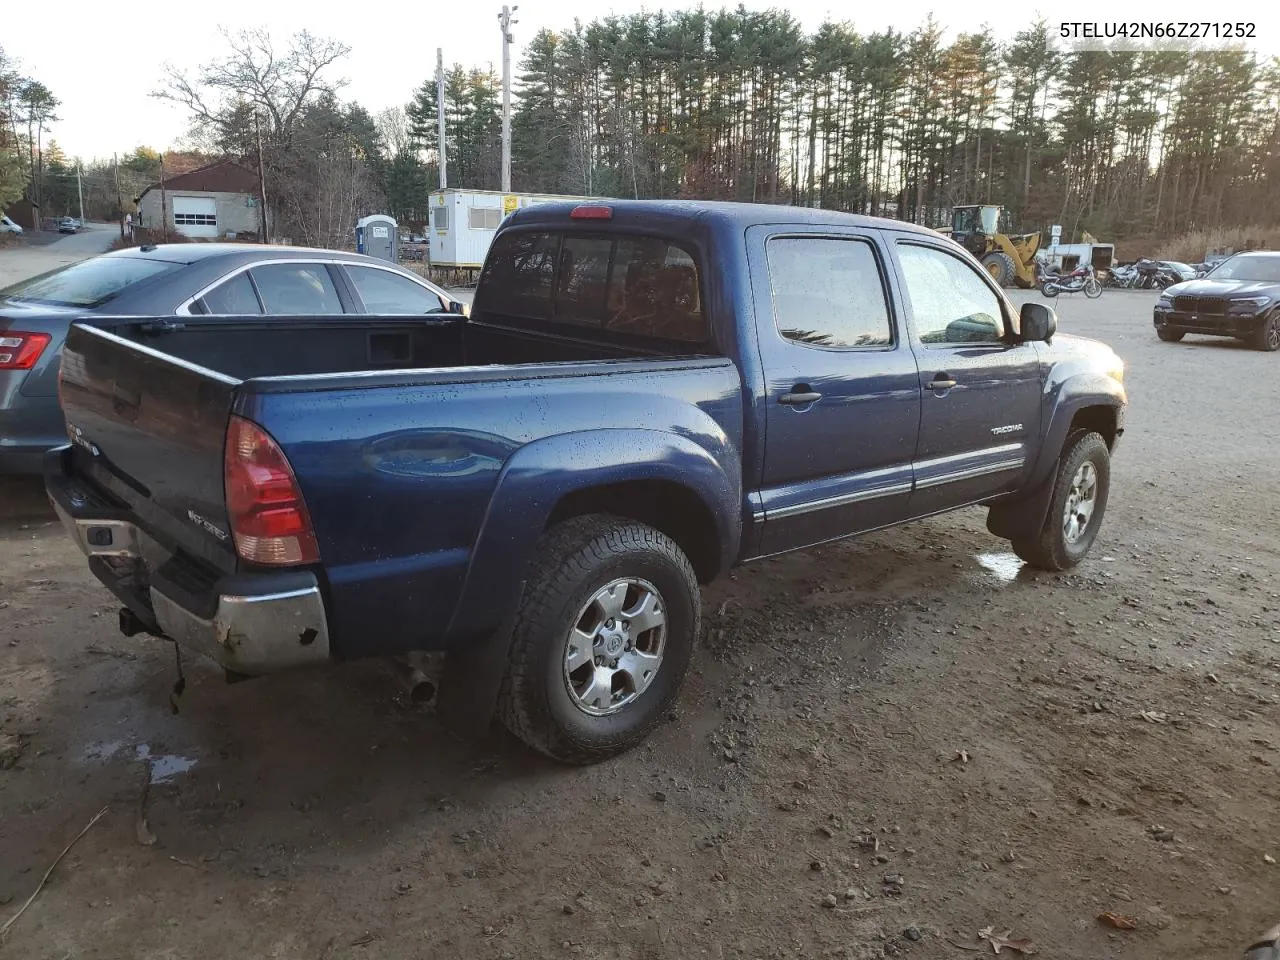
(1009,259)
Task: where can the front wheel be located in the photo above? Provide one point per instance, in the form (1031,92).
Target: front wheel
(1092,288)
(1267,336)
(604,636)
(1075,512)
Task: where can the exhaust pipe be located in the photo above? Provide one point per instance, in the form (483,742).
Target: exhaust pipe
(422,689)
(420,677)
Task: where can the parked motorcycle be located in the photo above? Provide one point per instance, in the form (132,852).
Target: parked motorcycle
(1080,279)
(1154,275)
(1123,276)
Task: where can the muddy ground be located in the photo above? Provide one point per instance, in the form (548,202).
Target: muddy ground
(811,797)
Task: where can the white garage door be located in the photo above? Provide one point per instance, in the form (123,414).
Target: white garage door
(196,216)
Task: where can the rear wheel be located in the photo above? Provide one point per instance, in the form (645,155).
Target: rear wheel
(1049,288)
(603,640)
(1075,512)
(1001,267)
(1267,336)
(1170,334)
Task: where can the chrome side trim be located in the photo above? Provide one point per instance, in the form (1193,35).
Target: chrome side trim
(971,473)
(252,635)
(971,455)
(184,308)
(844,499)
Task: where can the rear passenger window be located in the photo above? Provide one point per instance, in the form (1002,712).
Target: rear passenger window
(233,297)
(637,287)
(304,289)
(828,293)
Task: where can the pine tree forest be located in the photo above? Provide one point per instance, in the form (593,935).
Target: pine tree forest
(738,105)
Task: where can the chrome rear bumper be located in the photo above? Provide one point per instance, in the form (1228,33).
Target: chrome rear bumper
(252,631)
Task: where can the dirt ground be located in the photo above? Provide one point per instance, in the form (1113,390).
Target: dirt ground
(885,746)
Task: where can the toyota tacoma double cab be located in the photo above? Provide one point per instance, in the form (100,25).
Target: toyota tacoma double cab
(644,394)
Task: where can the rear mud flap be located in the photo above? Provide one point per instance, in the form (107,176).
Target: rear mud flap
(472,679)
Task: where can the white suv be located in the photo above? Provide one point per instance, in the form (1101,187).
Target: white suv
(8,226)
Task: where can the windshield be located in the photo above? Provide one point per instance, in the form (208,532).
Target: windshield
(990,220)
(1260,269)
(89,283)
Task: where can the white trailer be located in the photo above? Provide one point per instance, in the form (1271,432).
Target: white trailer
(463,223)
(1065,257)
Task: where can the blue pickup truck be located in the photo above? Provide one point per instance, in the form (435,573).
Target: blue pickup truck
(644,394)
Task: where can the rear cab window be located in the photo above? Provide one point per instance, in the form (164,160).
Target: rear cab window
(620,287)
(89,283)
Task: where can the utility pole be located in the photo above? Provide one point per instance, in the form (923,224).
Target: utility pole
(164,205)
(444,166)
(262,179)
(504,18)
(115,166)
(80,191)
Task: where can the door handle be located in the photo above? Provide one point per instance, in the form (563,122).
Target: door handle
(799,396)
(941,381)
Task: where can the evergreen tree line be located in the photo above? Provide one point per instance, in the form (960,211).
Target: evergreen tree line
(738,105)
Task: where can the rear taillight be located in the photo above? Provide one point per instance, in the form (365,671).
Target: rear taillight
(268,516)
(20,351)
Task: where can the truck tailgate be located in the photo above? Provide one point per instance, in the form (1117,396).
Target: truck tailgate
(150,430)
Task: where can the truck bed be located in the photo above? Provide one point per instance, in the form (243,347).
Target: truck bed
(252,347)
(398,430)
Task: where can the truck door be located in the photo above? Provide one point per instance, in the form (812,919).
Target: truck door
(980,392)
(842,398)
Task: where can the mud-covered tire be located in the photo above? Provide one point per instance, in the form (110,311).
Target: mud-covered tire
(1051,549)
(1000,267)
(1267,336)
(1170,334)
(573,561)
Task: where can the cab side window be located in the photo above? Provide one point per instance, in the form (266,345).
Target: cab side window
(950,302)
(828,293)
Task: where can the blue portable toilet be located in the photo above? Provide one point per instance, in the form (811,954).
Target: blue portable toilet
(378,236)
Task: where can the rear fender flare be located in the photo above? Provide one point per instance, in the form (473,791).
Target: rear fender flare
(541,474)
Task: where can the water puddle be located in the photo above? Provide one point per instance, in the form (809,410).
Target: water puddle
(164,767)
(1002,566)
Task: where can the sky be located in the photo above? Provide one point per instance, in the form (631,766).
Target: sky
(103,66)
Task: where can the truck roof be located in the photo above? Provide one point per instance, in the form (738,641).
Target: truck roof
(723,212)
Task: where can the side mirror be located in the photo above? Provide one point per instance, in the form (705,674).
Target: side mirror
(1039,323)
(457,307)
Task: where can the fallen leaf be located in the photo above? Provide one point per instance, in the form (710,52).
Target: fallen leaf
(1268,858)
(1117,921)
(962,756)
(1151,716)
(1003,941)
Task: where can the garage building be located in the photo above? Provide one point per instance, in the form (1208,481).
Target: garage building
(213,202)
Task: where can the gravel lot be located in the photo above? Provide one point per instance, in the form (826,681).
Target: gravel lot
(885,747)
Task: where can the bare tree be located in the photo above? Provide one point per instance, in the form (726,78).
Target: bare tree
(256,79)
(315,151)
(393,131)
